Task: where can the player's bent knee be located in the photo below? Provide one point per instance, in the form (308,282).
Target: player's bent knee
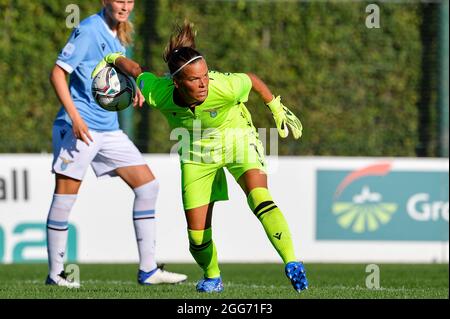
(148,190)
(65,185)
(146,174)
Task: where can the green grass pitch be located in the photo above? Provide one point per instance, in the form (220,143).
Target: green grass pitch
(241,281)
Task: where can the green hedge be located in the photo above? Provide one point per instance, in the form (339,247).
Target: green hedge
(356,90)
(32,34)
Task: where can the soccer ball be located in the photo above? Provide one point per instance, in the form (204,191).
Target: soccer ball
(113,90)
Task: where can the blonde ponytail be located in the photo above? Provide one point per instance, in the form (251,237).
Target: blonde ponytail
(125,32)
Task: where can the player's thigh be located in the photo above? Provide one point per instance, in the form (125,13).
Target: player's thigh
(249,168)
(202,184)
(251,179)
(135,176)
(71,156)
(119,156)
(199,218)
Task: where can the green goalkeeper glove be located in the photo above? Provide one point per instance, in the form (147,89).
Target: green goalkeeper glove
(284,118)
(108,59)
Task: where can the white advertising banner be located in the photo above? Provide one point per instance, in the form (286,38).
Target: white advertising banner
(338,209)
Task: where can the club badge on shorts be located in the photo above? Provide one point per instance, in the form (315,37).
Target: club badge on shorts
(65,163)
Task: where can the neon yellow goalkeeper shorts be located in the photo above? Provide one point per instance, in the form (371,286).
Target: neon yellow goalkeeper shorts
(203,183)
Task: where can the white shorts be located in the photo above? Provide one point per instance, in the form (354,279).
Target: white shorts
(109,151)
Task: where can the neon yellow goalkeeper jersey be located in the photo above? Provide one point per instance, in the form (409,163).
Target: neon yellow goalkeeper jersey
(222,108)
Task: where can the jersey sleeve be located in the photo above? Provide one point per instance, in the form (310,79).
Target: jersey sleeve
(235,86)
(241,85)
(75,49)
(147,82)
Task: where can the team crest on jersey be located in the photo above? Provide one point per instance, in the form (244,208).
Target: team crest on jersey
(65,163)
(103,46)
(213,112)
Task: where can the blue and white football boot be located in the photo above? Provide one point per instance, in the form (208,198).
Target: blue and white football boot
(62,281)
(159,276)
(296,273)
(210,285)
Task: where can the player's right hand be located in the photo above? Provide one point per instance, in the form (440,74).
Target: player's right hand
(81,131)
(138,99)
(284,118)
(108,59)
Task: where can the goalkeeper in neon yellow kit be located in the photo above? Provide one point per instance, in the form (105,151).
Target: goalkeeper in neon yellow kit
(209,107)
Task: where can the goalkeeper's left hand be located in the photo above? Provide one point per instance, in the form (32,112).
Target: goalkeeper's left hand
(284,118)
(108,59)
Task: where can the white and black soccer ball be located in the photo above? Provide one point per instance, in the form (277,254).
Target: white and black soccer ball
(113,90)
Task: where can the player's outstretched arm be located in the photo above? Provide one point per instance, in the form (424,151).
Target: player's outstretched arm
(133,69)
(124,64)
(283,117)
(127,66)
(260,88)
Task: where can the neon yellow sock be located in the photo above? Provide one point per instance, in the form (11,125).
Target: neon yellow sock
(272,219)
(204,251)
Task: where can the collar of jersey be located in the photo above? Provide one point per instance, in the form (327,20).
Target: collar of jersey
(102,15)
(186,107)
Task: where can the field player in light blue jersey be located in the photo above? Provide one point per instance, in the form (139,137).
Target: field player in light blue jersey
(86,135)
(86,45)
